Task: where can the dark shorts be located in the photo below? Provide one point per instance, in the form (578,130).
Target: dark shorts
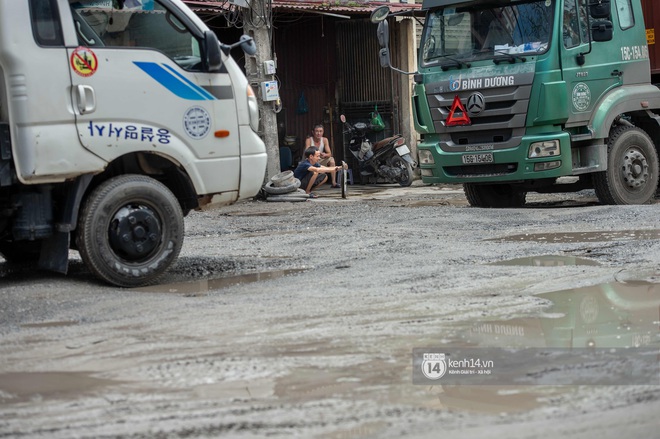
(305,181)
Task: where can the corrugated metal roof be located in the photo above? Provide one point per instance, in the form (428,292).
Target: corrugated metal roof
(352,7)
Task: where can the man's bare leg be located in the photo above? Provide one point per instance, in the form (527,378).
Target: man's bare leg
(312,179)
(325,179)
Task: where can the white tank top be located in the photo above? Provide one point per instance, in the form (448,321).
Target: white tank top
(321,147)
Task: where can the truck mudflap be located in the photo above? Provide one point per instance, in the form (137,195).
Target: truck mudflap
(6,177)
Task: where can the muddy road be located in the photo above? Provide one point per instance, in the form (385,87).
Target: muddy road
(300,320)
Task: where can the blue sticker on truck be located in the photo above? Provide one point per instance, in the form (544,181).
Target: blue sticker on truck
(175,82)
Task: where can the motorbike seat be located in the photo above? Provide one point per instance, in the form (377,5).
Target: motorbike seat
(383,143)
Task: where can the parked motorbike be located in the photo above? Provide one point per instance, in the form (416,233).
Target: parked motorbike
(388,159)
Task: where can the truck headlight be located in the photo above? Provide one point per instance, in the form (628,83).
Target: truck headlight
(425,157)
(253,109)
(549,148)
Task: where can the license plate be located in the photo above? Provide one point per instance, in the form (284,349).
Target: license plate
(474,159)
(403,150)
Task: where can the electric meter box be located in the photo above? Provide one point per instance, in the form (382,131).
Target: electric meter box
(269,91)
(269,67)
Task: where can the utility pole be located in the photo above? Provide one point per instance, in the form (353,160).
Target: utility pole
(258,23)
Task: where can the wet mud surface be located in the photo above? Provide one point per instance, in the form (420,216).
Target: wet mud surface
(300,319)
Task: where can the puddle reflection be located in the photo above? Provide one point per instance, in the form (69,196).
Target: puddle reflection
(495,399)
(619,314)
(195,288)
(49,324)
(613,315)
(548,261)
(566,237)
(23,386)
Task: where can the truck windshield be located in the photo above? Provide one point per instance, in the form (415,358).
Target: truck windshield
(140,23)
(463,34)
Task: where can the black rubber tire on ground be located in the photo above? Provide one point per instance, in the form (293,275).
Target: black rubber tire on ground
(271,189)
(494,195)
(130,230)
(406,170)
(632,168)
(282,179)
(21,252)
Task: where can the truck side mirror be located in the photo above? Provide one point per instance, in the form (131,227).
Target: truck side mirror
(384,56)
(601,30)
(212,52)
(599,9)
(383,33)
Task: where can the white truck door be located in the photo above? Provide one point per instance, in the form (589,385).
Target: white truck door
(37,78)
(139,85)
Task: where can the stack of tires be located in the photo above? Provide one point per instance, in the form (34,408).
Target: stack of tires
(284,187)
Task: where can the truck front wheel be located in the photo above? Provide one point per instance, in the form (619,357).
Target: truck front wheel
(130,230)
(632,168)
(494,195)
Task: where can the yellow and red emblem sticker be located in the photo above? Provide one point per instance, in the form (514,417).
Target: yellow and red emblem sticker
(84,61)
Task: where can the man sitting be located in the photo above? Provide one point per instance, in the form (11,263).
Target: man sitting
(310,173)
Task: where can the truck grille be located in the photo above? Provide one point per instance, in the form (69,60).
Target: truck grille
(500,125)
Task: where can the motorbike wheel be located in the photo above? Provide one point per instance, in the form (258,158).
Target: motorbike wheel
(406,171)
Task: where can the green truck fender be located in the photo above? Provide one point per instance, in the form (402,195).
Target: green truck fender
(622,100)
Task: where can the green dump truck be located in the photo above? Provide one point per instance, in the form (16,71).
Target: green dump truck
(512,97)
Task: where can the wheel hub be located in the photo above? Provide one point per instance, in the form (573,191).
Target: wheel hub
(135,232)
(635,169)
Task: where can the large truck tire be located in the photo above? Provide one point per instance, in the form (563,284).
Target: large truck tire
(632,168)
(130,230)
(494,195)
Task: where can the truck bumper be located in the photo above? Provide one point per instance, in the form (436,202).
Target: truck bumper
(512,164)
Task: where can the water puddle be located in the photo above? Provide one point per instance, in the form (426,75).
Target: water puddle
(364,430)
(23,386)
(623,235)
(259,213)
(198,287)
(495,399)
(269,233)
(49,324)
(547,261)
(622,314)
(612,315)
(609,316)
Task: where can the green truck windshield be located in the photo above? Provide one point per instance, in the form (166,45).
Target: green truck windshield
(454,36)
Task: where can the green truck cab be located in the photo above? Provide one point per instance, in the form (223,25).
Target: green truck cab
(525,96)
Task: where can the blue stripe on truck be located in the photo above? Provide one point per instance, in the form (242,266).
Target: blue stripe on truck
(177,85)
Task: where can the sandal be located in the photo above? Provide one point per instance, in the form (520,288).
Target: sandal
(313,195)
(335,186)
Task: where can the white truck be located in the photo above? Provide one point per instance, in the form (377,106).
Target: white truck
(117,117)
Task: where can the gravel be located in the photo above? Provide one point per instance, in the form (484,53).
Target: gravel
(299,319)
